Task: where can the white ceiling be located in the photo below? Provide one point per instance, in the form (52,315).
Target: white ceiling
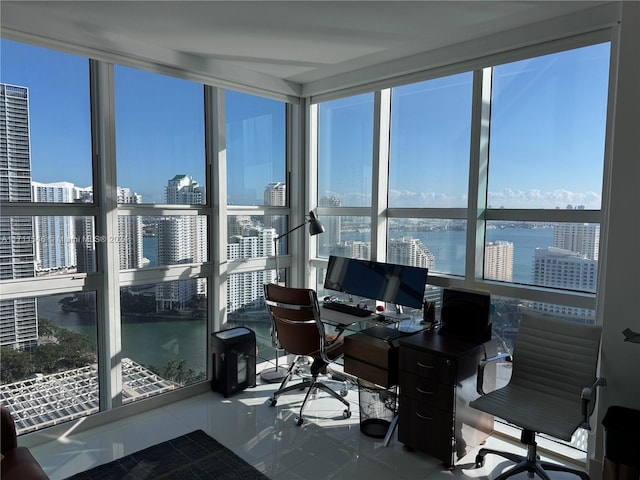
(296,42)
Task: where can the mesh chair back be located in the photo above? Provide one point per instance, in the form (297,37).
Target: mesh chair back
(296,319)
(558,357)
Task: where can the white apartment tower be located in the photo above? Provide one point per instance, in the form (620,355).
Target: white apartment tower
(498,261)
(181,239)
(129,233)
(245,288)
(18,318)
(410,251)
(583,238)
(275,194)
(559,268)
(55,248)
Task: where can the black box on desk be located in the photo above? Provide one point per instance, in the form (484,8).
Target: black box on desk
(234,360)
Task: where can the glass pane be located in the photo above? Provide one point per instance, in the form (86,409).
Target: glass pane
(560,255)
(160,137)
(256,153)
(345,237)
(548,119)
(164,337)
(252,236)
(435,243)
(45,135)
(345,150)
(162,240)
(246,308)
(49,362)
(47,245)
(430,141)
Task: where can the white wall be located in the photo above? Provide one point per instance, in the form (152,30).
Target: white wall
(620,295)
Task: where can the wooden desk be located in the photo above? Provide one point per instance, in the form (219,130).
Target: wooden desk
(437,379)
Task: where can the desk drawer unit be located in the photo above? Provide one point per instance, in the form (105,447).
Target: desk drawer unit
(437,380)
(371,359)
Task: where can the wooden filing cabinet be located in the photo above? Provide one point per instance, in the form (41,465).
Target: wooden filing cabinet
(437,379)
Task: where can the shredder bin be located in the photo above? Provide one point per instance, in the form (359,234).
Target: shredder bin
(622,435)
(378,406)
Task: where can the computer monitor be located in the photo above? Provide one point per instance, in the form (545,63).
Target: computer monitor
(398,284)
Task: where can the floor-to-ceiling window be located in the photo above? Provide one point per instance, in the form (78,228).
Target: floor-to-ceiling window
(107,188)
(258,201)
(492,179)
(48,322)
(160,160)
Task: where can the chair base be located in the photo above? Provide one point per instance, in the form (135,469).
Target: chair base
(311,385)
(530,464)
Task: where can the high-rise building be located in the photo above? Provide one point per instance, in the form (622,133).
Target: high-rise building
(245,288)
(55,246)
(498,261)
(564,269)
(410,251)
(275,194)
(582,238)
(130,233)
(181,239)
(18,318)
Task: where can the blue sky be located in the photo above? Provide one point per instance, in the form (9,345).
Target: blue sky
(546,145)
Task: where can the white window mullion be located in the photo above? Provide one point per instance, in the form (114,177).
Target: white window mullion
(216,152)
(380,177)
(105,196)
(478,175)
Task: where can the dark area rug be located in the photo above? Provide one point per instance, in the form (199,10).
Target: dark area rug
(192,456)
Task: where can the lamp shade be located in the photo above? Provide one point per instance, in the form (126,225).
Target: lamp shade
(315,227)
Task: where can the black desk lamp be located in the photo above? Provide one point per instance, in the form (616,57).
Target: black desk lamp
(277,374)
(315,227)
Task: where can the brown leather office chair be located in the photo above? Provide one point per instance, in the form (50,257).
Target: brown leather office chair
(552,389)
(297,328)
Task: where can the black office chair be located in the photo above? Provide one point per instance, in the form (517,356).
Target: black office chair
(295,316)
(552,388)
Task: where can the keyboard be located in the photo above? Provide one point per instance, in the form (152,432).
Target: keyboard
(348,309)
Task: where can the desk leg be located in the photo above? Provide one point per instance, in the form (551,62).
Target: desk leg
(392,428)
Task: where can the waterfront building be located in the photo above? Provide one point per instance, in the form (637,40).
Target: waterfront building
(54,246)
(410,251)
(498,261)
(181,239)
(564,269)
(18,318)
(582,238)
(245,288)
(129,233)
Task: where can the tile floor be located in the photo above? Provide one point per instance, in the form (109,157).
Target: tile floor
(326,446)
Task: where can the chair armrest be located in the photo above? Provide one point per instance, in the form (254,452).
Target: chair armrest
(588,396)
(483,364)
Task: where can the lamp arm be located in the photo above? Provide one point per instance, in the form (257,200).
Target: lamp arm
(292,230)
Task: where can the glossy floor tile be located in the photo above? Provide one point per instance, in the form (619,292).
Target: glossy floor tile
(326,446)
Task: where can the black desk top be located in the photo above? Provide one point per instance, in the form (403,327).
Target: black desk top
(432,341)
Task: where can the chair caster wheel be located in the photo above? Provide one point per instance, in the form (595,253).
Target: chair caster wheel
(273,402)
(479,461)
(346,414)
(299,421)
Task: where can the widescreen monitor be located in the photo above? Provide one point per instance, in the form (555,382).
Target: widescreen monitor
(387,282)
